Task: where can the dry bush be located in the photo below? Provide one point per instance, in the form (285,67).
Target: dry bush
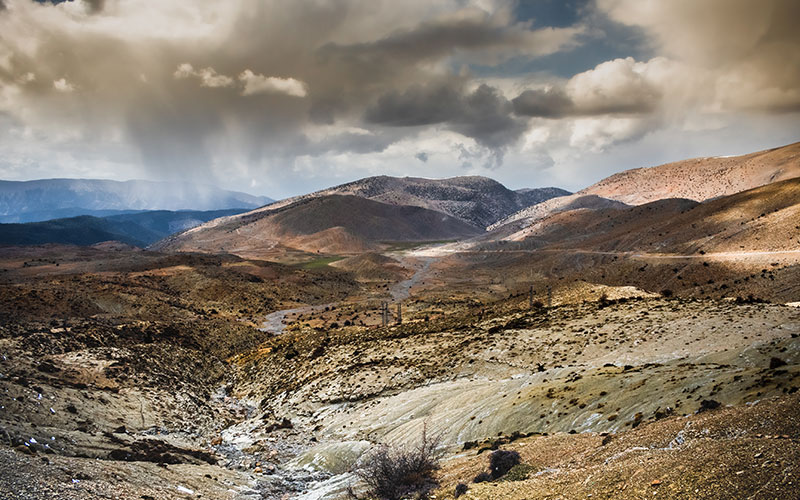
(501,461)
(396,473)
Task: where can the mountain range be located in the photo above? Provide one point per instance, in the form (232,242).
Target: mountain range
(45,199)
(362,216)
(679,206)
(653,208)
(137,229)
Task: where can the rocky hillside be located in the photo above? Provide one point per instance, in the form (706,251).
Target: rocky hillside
(479,201)
(696,179)
(760,219)
(338,224)
(529,215)
(701,178)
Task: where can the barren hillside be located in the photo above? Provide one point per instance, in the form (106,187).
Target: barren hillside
(761,219)
(701,178)
(338,224)
(696,179)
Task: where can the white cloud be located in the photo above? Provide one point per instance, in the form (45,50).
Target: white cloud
(260,84)
(613,86)
(208,76)
(62,85)
(750,51)
(597,133)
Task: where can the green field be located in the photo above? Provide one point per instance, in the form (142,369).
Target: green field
(320,263)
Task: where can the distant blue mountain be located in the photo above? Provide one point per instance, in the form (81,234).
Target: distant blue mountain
(138,229)
(40,200)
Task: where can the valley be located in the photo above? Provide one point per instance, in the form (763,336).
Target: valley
(624,342)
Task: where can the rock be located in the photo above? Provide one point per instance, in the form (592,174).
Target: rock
(25,449)
(776,363)
(655,482)
(708,404)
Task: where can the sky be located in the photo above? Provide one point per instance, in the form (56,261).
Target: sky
(280,98)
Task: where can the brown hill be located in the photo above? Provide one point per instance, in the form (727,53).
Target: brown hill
(763,219)
(475,200)
(372,266)
(696,179)
(700,178)
(531,214)
(325,224)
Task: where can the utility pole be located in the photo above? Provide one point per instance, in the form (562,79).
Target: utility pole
(399,314)
(384,313)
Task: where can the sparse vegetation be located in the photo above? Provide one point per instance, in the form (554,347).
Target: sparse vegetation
(501,461)
(397,473)
(320,263)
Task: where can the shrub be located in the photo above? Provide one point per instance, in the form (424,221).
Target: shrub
(461,488)
(666,293)
(501,461)
(395,473)
(483,477)
(708,404)
(519,472)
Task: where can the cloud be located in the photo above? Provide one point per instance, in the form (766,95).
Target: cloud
(417,105)
(483,114)
(95,5)
(260,84)
(620,86)
(251,83)
(751,49)
(347,57)
(422,156)
(26,78)
(548,102)
(596,134)
(489,37)
(208,76)
(61,85)
(242,89)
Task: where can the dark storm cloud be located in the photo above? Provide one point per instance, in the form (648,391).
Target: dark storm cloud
(484,114)
(242,87)
(487,118)
(187,85)
(484,34)
(96,5)
(93,5)
(544,103)
(422,156)
(417,105)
